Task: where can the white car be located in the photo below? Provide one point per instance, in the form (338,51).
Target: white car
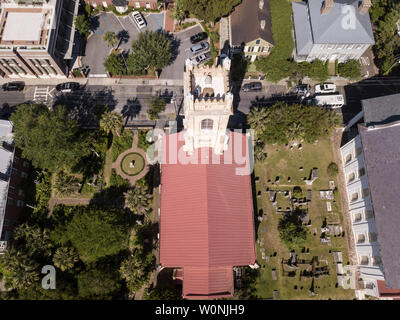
(139,20)
(325,88)
(201,58)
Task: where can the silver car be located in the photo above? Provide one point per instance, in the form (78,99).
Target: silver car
(202,46)
(201,58)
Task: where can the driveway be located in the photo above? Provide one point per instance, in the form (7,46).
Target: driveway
(175,70)
(126,30)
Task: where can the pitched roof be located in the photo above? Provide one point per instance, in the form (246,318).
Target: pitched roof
(206,222)
(386,292)
(382,162)
(302,28)
(381,110)
(328,28)
(246,23)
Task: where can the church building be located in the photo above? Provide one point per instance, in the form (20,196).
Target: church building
(206,216)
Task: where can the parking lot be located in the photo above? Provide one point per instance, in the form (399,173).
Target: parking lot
(126,30)
(175,69)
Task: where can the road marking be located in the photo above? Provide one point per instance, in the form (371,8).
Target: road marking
(41,94)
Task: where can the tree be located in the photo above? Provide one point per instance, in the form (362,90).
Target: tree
(135,270)
(65,258)
(209,10)
(291,231)
(65,184)
(114,64)
(19,270)
(297,192)
(94,232)
(98,284)
(283,123)
(82,24)
(152,51)
(259,151)
(157,105)
(178,12)
(138,200)
(49,139)
(111,122)
(350,69)
(110,38)
(134,65)
(163,293)
(33,240)
(332,169)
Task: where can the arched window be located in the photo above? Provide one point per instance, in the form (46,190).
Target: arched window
(207,124)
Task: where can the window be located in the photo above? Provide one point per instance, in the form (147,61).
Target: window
(365,193)
(24,175)
(361,172)
(354,197)
(10,200)
(137,5)
(266,49)
(20,203)
(351,177)
(207,124)
(148,5)
(369,214)
(246,49)
(376,261)
(372,236)
(258,42)
(11,189)
(364,260)
(16,159)
(358,152)
(357,217)
(360,238)
(21,193)
(348,158)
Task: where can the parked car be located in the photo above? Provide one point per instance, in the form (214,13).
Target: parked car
(201,58)
(200,47)
(252,86)
(198,37)
(14,86)
(303,88)
(139,20)
(67,86)
(325,88)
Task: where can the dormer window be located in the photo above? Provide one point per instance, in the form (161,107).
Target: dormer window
(207,124)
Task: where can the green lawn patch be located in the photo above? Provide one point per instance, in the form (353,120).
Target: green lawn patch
(132,164)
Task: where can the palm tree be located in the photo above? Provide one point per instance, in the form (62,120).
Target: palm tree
(110,38)
(135,271)
(65,258)
(111,122)
(138,200)
(177,12)
(257,120)
(65,184)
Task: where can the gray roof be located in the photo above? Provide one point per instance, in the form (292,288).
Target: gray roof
(381,110)
(327,28)
(245,23)
(381,147)
(302,28)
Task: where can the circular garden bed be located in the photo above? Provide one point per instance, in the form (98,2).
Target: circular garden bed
(132,164)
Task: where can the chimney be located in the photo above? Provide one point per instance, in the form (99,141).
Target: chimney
(364,6)
(327,6)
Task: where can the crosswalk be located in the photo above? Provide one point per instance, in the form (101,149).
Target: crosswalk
(42,93)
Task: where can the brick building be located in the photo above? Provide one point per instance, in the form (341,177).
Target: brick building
(44,46)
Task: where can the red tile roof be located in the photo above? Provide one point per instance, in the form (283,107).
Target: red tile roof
(207,223)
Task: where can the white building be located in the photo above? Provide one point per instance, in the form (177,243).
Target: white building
(330,30)
(371,166)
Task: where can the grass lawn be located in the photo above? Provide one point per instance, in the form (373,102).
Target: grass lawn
(283,162)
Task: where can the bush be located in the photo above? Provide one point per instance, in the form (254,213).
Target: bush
(122,143)
(291,231)
(350,69)
(297,192)
(117,181)
(142,140)
(114,64)
(332,169)
(157,105)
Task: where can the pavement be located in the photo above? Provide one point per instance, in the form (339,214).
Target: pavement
(182,41)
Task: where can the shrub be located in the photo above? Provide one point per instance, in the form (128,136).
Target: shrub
(122,143)
(332,169)
(297,192)
(157,105)
(350,69)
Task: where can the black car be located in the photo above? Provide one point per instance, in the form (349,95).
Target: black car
(14,86)
(67,86)
(198,37)
(252,86)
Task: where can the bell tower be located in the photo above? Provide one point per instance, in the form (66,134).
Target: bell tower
(208,104)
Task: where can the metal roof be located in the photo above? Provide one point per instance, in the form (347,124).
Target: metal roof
(302,28)
(382,163)
(206,222)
